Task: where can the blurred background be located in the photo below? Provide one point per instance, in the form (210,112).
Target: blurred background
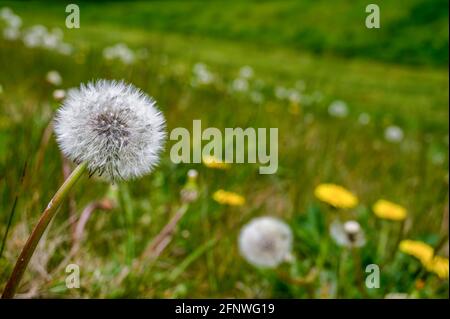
(366,109)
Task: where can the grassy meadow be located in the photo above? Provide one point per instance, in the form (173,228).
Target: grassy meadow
(190,56)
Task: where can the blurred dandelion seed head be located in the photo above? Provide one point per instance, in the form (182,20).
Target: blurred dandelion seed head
(348,234)
(265,242)
(113,126)
(59,94)
(53,77)
(338,109)
(393,134)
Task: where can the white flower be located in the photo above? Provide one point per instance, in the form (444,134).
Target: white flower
(53,77)
(64,48)
(246,72)
(265,241)
(294,96)
(240,85)
(281,92)
(34,36)
(113,126)
(349,234)
(59,94)
(393,134)
(364,119)
(119,51)
(338,109)
(202,76)
(11,19)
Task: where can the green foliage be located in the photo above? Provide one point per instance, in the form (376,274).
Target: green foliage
(202,259)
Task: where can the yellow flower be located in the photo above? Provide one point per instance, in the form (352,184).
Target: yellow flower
(387,210)
(438,265)
(228,198)
(425,253)
(213,162)
(418,249)
(336,196)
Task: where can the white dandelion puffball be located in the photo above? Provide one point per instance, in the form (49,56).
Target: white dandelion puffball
(265,242)
(113,126)
(53,77)
(393,134)
(59,94)
(349,234)
(338,109)
(246,72)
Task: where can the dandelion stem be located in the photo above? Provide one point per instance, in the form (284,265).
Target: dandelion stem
(33,240)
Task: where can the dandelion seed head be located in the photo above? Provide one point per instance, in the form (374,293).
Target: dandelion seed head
(349,234)
(53,77)
(265,242)
(113,126)
(59,94)
(393,134)
(246,72)
(338,109)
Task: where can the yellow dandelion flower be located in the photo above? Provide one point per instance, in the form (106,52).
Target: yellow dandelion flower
(438,265)
(228,198)
(388,210)
(213,162)
(336,196)
(418,249)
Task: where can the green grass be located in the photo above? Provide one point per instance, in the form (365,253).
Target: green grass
(202,260)
(412,32)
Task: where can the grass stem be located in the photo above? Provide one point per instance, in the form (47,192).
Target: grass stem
(33,240)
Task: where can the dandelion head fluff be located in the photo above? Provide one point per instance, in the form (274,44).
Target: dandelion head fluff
(265,242)
(113,126)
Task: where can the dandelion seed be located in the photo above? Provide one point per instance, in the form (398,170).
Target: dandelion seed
(122,143)
(228,198)
(338,109)
(336,196)
(387,210)
(349,234)
(265,242)
(53,77)
(393,134)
